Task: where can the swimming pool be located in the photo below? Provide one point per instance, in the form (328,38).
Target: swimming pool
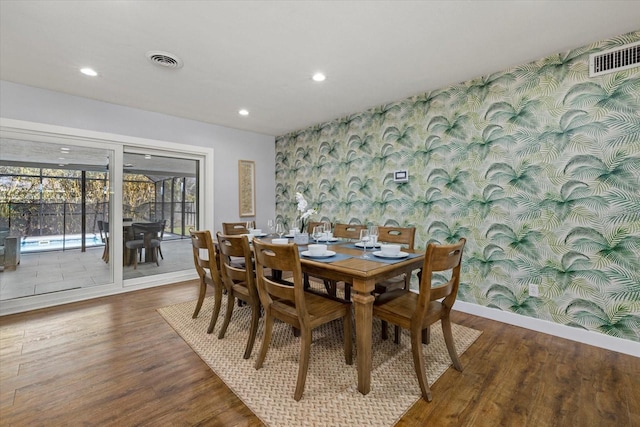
(57,243)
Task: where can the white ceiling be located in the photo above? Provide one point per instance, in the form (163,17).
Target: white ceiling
(260,55)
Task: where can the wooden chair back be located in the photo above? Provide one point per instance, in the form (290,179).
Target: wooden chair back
(440,258)
(236,246)
(312,224)
(348,231)
(401,235)
(284,258)
(234,228)
(206,267)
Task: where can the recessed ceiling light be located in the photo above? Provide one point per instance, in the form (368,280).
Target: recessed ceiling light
(319,77)
(147,156)
(89,72)
(65,149)
(243,112)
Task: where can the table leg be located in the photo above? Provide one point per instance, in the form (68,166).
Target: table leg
(363,304)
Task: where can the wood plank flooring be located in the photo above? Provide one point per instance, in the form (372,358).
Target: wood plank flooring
(115,361)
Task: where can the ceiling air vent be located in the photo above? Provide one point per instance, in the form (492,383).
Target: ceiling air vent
(612,60)
(164,59)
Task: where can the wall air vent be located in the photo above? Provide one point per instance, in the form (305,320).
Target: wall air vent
(164,59)
(612,60)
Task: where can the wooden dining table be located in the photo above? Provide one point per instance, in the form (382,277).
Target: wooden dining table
(362,274)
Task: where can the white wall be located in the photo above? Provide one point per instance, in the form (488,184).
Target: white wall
(27,103)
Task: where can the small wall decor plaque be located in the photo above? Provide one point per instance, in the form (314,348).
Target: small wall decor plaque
(247,187)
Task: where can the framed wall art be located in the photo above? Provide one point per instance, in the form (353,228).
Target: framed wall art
(247,187)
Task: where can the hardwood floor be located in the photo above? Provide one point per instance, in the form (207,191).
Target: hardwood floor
(115,361)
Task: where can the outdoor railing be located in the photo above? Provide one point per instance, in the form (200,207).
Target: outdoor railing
(64,220)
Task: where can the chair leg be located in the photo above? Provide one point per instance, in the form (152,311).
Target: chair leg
(202,293)
(155,255)
(160,252)
(397,334)
(266,339)
(385,332)
(227,315)
(418,363)
(347,292)
(216,308)
(303,365)
(426,335)
(331,287)
(448,339)
(255,317)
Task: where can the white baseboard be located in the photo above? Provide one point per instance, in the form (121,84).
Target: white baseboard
(574,334)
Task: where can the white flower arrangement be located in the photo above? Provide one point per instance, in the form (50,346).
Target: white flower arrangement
(302,207)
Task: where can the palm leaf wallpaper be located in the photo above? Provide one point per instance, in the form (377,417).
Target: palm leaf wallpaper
(537,166)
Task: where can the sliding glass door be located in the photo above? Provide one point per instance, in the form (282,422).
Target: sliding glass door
(158,188)
(54,195)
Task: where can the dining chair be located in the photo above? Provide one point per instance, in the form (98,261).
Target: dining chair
(313,224)
(208,271)
(348,231)
(239,281)
(417,311)
(404,236)
(291,304)
(343,231)
(103,227)
(233,228)
(330,286)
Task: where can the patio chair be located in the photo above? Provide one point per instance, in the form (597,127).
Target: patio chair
(103,227)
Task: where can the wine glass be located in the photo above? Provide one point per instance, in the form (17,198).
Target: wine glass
(318,231)
(365,239)
(327,228)
(270,225)
(280,229)
(249,226)
(373,234)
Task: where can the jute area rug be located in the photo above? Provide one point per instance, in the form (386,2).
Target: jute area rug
(331,397)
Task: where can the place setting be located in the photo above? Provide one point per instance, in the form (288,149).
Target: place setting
(319,252)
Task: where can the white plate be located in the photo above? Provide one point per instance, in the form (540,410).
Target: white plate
(259,235)
(327,254)
(289,236)
(360,245)
(400,255)
(333,239)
